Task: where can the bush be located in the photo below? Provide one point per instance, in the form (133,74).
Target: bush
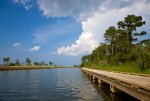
(146,60)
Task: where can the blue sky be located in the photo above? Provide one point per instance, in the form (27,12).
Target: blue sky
(61,31)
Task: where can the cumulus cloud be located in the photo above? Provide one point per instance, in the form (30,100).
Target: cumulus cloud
(95,26)
(80,9)
(35,48)
(93,30)
(95,17)
(74,8)
(16,44)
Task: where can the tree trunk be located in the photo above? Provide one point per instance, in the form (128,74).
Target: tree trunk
(112,49)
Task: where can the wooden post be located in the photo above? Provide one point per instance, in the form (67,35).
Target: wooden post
(91,76)
(114,90)
(100,81)
(95,79)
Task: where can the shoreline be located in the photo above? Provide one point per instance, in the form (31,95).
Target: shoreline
(3,68)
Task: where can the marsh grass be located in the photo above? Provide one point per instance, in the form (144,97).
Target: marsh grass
(26,67)
(128,67)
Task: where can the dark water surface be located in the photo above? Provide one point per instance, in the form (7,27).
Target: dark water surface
(62,84)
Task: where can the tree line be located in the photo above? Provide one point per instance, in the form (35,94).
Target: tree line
(7,62)
(123,44)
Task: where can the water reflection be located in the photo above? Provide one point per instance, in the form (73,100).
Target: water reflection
(66,84)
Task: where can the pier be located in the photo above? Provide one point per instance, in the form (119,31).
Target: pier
(137,86)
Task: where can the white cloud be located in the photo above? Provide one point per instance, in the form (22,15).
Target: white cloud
(93,29)
(74,8)
(35,48)
(95,26)
(80,9)
(95,17)
(16,44)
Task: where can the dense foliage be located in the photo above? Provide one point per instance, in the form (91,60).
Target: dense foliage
(8,62)
(123,44)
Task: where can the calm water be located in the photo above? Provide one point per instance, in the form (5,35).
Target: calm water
(63,84)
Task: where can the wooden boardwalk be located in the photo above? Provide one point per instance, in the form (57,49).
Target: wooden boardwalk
(134,85)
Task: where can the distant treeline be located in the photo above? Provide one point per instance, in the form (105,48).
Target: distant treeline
(123,44)
(8,62)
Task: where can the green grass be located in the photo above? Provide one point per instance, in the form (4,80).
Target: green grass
(128,67)
(26,67)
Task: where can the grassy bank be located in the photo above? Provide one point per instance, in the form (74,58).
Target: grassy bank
(128,67)
(26,67)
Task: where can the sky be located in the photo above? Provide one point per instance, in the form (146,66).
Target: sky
(61,31)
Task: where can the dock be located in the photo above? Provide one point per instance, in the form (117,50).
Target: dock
(135,85)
